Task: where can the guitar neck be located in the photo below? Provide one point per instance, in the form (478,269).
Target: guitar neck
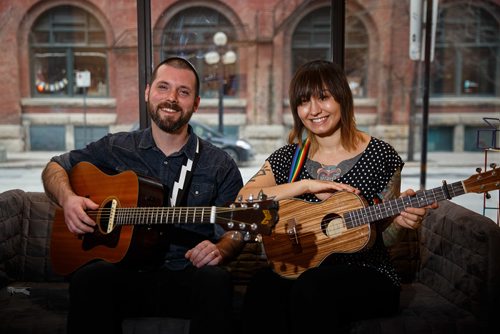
(391,208)
(164,215)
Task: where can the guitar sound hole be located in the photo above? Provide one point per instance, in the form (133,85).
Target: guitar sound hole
(106,234)
(332,225)
(104,216)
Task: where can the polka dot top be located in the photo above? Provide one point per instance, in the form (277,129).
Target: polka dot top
(370,174)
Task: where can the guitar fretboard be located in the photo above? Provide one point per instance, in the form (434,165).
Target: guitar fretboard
(164,215)
(393,207)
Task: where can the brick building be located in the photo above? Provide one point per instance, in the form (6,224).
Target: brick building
(51,46)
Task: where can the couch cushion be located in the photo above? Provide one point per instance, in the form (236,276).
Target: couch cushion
(422,311)
(460,254)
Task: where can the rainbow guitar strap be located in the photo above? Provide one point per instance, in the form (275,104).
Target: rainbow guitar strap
(298,161)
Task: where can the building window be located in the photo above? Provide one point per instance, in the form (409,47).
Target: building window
(440,139)
(466,53)
(47,137)
(311,40)
(190,33)
(356,50)
(63,41)
(87,134)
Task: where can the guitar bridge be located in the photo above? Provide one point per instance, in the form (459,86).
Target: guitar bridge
(291,231)
(112,212)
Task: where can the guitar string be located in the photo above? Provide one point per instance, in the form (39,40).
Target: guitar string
(350,219)
(174,215)
(366,215)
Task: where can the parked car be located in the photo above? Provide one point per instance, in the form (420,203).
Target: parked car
(239,149)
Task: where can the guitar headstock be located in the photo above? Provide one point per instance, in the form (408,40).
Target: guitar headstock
(483,182)
(251,219)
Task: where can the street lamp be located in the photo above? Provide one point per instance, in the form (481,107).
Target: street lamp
(213,58)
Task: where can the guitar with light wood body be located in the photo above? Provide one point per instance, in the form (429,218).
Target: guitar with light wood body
(307,233)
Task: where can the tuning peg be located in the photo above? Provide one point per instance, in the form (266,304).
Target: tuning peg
(487,195)
(236,235)
(479,169)
(493,165)
(250,198)
(240,198)
(247,236)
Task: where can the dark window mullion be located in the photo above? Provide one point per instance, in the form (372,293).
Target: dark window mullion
(70,71)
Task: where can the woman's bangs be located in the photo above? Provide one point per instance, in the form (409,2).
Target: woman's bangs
(307,86)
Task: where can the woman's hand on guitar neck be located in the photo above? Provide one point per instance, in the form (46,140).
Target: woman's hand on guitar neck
(412,217)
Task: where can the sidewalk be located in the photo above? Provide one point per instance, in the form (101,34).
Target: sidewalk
(434,159)
(29,159)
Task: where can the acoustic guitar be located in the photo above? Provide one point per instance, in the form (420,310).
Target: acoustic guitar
(307,232)
(133,225)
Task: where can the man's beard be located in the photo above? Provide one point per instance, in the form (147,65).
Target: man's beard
(165,124)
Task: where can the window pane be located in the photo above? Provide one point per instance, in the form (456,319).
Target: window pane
(95,63)
(68,16)
(467,44)
(50,72)
(440,138)
(443,73)
(38,37)
(478,71)
(47,137)
(66,37)
(87,134)
(190,33)
(312,38)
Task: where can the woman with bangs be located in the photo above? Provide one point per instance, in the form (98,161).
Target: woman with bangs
(327,153)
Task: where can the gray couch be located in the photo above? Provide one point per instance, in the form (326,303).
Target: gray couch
(451,268)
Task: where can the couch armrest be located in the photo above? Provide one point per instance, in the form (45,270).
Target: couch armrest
(25,230)
(11,217)
(460,259)
(37,228)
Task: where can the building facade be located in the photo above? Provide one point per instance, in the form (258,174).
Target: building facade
(70,68)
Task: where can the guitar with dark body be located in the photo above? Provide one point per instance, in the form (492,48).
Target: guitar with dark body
(133,225)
